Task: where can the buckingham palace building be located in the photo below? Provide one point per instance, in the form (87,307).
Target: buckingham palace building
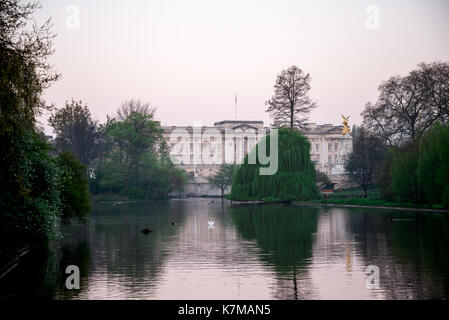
(200,150)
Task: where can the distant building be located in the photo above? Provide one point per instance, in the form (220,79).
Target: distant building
(230,141)
(328,150)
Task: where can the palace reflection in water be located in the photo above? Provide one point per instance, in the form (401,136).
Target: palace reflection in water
(252,252)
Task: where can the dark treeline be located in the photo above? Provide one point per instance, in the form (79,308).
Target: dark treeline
(39,187)
(403,144)
(44,184)
(125,156)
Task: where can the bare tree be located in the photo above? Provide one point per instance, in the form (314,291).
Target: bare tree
(366,158)
(434,82)
(290,102)
(133,105)
(408,106)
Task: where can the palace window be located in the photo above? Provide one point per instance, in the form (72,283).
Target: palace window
(336,146)
(317,147)
(329,159)
(329,147)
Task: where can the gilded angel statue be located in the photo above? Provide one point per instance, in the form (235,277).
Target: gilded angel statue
(346,128)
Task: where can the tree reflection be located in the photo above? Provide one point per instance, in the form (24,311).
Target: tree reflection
(411,250)
(123,252)
(284,234)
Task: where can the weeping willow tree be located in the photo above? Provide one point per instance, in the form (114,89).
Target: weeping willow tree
(294,179)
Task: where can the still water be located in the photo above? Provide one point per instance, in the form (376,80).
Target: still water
(251,252)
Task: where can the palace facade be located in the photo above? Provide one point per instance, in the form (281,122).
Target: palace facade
(200,150)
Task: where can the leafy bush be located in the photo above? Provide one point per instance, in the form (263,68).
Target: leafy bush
(137,164)
(75,191)
(419,172)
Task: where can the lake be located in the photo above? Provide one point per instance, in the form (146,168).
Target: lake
(251,252)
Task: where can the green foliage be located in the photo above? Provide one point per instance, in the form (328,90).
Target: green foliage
(383,179)
(109,176)
(30,199)
(403,171)
(420,172)
(377,203)
(283,233)
(32,184)
(356,192)
(434,166)
(223,178)
(178,179)
(75,190)
(135,135)
(137,163)
(40,213)
(54,190)
(294,180)
(322,178)
(76,132)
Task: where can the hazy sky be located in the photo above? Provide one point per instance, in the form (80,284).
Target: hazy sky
(188,58)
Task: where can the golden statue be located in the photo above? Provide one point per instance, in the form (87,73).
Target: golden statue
(346,128)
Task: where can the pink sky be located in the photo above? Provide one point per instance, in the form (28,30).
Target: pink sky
(188,58)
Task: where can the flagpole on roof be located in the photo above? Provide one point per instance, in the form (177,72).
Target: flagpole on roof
(235,100)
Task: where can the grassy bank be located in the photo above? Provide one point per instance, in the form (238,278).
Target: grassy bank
(354,196)
(376,202)
(109,197)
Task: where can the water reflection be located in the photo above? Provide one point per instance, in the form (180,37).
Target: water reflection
(125,262)
(251,252)
(285,235)
(411,250)
(338,268)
